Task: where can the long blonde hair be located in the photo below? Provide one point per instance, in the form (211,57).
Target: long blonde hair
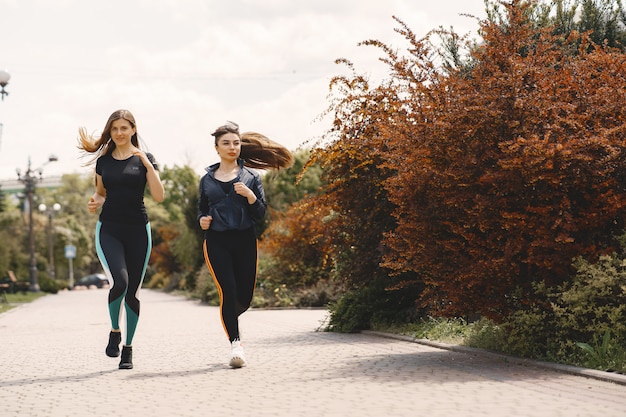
(257,150)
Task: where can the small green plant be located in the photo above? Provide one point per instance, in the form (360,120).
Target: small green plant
(452,330)
(485,334)
(598,353)
(447,330)
(604,355)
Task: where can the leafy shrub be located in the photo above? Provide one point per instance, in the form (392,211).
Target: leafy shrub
(205,289)
(568,323)
(268,294)
(485,334)
(320,294)
(604,354)
(448,330)
(47,284)
(360,309)
(529,333)
(595,301)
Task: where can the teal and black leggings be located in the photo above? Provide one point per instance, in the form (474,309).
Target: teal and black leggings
(124,251)
(232,260)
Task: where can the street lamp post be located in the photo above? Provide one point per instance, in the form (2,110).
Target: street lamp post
(50,211)
(4,80)
(29,179)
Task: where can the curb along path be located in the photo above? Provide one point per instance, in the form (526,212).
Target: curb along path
(568,369)
(53,364)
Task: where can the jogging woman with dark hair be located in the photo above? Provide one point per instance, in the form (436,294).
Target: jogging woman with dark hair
(231,201)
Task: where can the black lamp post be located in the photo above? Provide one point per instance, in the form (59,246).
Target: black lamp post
(29,179)
(4,80)
(50,211)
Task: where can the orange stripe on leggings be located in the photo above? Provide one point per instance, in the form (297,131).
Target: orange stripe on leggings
(217,284)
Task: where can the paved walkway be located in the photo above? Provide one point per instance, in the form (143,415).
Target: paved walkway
(52,363)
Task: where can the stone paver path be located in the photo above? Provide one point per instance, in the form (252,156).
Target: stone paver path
(52,364)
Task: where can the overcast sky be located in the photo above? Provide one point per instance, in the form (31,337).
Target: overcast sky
(182,67)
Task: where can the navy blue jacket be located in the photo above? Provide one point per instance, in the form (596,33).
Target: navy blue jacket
(231,211)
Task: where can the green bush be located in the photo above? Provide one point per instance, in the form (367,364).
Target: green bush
(485,334)
(321,294)
(604,354)
(595,301)
(47,284)
(274,271)
(528,333)
(447,330)
(352,312)
(205,288)
(582,322)
(568,323)
(270,294)
(373,305)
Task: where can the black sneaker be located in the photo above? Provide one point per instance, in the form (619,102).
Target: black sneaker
(127,358)
(113,348)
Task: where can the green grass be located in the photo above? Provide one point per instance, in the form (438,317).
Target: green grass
(9,301)
(452,331)
(483,334)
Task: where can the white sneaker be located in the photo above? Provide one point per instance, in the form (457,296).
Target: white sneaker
(237,359)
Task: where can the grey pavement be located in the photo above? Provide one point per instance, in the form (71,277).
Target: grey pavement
(52,363)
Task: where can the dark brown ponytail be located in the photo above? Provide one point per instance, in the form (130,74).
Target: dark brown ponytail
(257,151)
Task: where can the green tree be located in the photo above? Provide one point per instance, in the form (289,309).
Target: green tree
(285,187)
(2,200)
(177,243)
(604,19)
(73,224)
(12,254)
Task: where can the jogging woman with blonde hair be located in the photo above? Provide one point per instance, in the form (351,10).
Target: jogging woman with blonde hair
(123,236)
(231,200)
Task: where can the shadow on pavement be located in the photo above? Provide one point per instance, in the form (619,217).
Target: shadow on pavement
(61,379)
(170,374)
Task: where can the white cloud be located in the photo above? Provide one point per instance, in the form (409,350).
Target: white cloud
(184,66)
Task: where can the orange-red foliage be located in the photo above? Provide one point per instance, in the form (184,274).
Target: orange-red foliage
(512,171)
(296,239)
(161,256)
(497,176)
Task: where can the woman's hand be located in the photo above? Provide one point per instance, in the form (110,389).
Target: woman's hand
(157,191)
(243,190)
(96,201)
(205,222)
(142,155)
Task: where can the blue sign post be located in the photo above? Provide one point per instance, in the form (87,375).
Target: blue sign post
(70,254)
(70,251)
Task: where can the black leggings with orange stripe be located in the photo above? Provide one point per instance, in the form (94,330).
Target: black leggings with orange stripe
(232,260)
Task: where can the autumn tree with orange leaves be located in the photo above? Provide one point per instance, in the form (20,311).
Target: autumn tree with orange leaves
(324,238)
(474,182)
